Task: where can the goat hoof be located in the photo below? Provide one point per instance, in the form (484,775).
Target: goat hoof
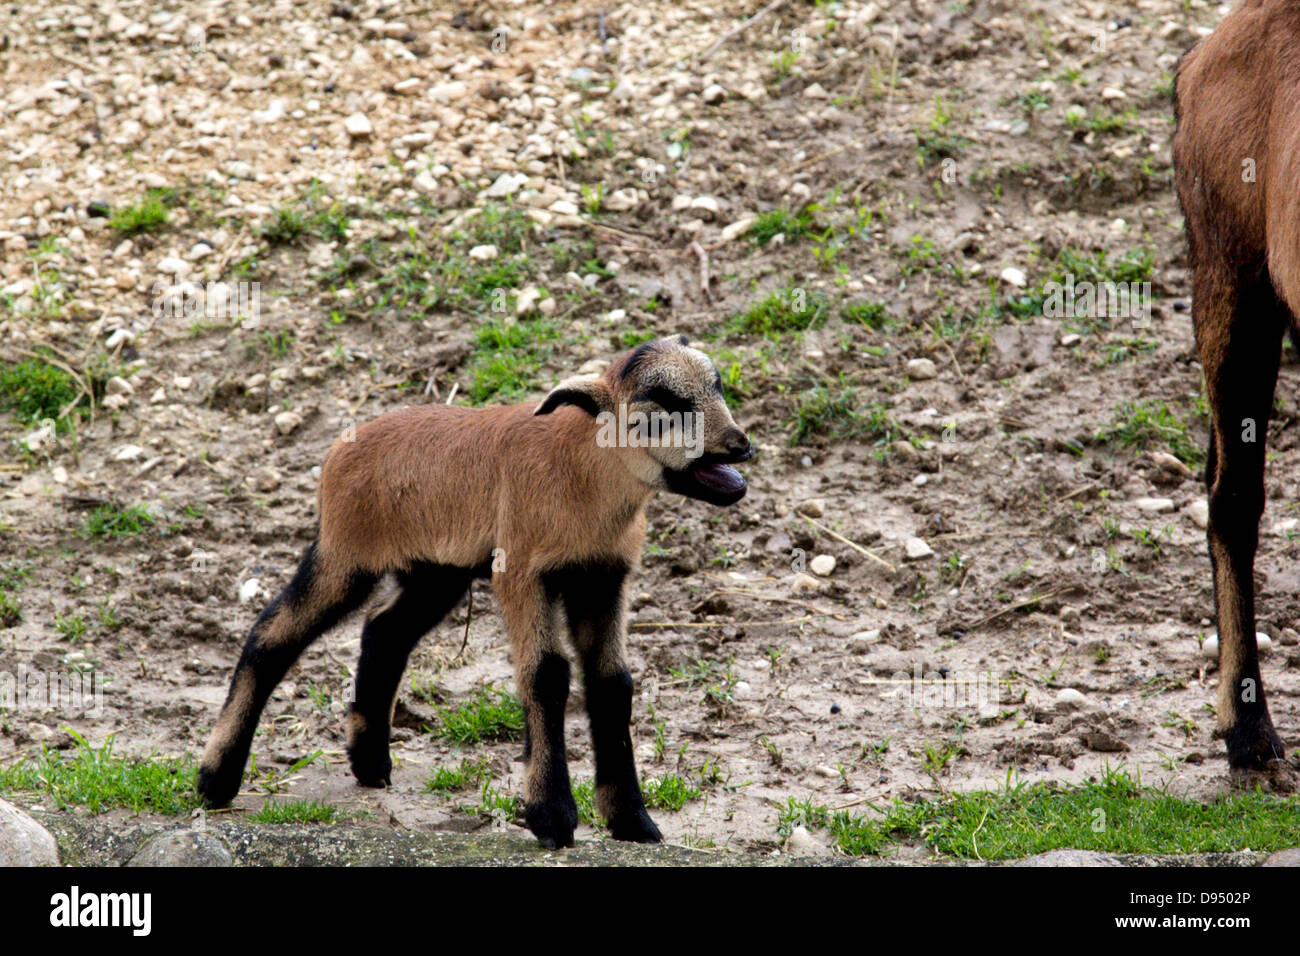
(635,827)
(552,822)
(217,787)
(372,770)
(1253,748)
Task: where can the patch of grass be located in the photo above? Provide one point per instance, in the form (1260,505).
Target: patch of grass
(9,613)
(1113,815)
(148,214)
(793,225)
(287,224)
(717,678)
(490,714)
(466,776)
(508,357)
(495,804)
(584,795)
(34,391)
(837,413)
(100,780)
(790,309)
(295,811)
(670,792)
(871,315)
(107,522)
(1142,423)
(71,626)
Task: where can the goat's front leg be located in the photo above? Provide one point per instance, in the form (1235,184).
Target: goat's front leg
(542,673)
(596,607)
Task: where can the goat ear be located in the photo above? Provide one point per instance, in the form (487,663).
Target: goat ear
(588,392)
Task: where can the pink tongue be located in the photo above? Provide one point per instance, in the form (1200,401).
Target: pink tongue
(721,477)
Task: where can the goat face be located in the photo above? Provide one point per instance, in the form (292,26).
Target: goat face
(661,405)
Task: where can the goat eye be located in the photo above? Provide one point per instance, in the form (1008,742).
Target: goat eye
(668,401)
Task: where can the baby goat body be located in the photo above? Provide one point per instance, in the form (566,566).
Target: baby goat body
(536,497)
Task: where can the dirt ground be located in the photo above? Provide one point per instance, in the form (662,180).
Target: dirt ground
(955,150)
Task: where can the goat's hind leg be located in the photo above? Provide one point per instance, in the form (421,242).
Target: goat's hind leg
(1239,327)
(320,595)
(542,675)
(428,592)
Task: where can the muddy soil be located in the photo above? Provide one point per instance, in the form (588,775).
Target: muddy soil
(1054,605)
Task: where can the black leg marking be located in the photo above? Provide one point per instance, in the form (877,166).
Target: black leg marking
(428,593)
(618,793)
(308,607)
(552,813)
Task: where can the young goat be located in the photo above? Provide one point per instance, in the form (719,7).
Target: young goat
(1237,164)
(546,499)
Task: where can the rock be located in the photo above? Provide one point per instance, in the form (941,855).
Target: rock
(358,126)
(23,841)
(1013,276)
(815,91)
(706,204)
(1199,512)
(1210,649)
(822,565)
(182,848)
(1170,464)
(117,385)
(507,184)
(738,228)
(268,479)
(813,507)
(248,590)
(526,300)
(1154,505)
(273,112)
(713,93)
(915,549)
(1103,741)
(921,369)
(805,582)
(483,253)
(174,265)
(286,422)
(127,453)
(1283,858)
(861,642)
(1070,699)
(802,843)
(1068,858)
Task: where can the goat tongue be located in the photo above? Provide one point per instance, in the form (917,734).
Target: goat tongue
(719,477)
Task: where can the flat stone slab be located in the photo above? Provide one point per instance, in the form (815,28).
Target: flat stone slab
(91,841)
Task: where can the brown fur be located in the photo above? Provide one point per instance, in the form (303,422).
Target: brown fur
(436,494)
(1237,99)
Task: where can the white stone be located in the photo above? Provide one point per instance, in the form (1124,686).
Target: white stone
(286,422)
(1013,276)
(802,843)
(358,126)
(128,453)
(1069,698)
(822,565)
(248,590)
(1199,512)
(483,253)
(921,369)
(916,549)
(507,184)
(1154,505)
